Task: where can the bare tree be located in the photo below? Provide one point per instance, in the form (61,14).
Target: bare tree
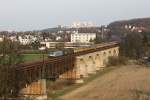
(8,60)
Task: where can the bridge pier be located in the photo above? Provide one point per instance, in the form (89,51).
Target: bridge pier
(36,90)
(34,83)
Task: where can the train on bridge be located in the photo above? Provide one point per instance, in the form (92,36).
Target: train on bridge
(69,51)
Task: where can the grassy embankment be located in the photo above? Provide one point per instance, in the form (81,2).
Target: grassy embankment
(59,88)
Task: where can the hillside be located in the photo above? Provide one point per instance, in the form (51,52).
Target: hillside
(144,22)
(141,22)
(130,26)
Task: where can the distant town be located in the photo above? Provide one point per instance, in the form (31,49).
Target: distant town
(84,33)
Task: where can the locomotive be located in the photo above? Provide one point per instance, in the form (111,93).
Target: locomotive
(57,53)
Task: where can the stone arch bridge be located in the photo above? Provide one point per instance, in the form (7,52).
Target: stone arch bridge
(31,77)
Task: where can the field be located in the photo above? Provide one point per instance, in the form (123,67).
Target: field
(130,82)
(32,57)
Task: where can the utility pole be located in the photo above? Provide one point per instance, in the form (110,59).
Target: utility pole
(43,80)
(102,32)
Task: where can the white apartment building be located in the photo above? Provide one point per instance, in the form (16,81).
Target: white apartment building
(82,37)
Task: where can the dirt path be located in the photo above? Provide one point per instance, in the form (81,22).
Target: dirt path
(125,83)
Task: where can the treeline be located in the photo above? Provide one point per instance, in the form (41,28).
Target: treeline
(133,35)
(135,45)
(121,28)
(140,22)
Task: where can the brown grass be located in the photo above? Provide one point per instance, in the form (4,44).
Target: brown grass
(130,82)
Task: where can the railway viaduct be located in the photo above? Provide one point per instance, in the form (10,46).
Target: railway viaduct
(32,76)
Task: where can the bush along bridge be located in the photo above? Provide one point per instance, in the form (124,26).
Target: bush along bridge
(31,77)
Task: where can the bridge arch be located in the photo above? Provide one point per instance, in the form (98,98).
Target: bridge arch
(91,64)
(83,68)
(98,60)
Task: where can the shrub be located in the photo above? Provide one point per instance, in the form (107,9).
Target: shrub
(143,62)
(59,84)
(113,61)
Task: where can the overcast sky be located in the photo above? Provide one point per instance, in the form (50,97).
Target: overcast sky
(39,14)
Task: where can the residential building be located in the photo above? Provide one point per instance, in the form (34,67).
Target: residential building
(26,39)
(13,38)
(1,39)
